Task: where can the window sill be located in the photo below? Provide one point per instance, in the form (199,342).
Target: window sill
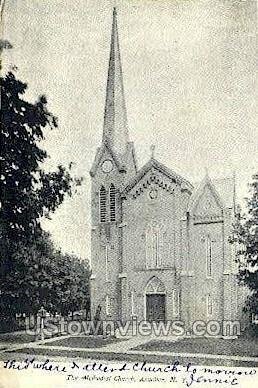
(155,269)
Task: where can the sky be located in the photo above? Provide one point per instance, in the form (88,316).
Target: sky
(189,78)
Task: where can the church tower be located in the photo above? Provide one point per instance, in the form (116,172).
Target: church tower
(113,166)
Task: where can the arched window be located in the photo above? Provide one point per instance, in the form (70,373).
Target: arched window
(108,305)
(153,245)
(155,286)
(132,302)
(209,305)
(176,302)
(208,256)
(112,202)
(107,262)
(103,204)
(155,242)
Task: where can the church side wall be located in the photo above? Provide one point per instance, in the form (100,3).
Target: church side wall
(204,285)
(139,212)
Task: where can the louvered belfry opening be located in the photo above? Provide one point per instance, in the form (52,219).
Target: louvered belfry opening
(112,202)
(103,204)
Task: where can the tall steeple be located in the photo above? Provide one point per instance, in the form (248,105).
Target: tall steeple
(115,131)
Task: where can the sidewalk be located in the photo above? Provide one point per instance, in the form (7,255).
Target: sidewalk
(133,342)
(121,348)
(113,350)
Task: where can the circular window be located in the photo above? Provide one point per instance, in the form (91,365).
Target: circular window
(153,194)
(107,166)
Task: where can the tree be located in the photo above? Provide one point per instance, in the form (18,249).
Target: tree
(246,238)
(28,193)
(42,276)
(77,295)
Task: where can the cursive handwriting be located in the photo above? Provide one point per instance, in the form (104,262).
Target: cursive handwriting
(191,374)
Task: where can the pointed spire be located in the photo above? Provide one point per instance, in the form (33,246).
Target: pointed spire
(115,131)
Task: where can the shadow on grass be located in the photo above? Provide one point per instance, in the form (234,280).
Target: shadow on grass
(228,347)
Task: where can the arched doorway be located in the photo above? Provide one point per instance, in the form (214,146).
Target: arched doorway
(155,300)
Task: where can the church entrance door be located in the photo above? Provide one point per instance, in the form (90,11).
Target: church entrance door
(155,307)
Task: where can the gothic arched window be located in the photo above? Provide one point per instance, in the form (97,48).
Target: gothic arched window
(112,202)
(108,305)
(209,256)
(132,302)
(176,302)
(155,286)
(103,204)
(209,305)
(153,244)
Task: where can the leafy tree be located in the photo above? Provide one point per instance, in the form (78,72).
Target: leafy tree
(77,295)
(31,269)
(43,276)
(246,237)
(4,44)
(27,191)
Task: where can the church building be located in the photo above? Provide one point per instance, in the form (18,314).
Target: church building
(159,244)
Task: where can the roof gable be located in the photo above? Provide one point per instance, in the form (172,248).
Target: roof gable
(153,164)
(99,156)
(226,189)
(205,198)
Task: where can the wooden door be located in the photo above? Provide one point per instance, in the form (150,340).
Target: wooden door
(155,307)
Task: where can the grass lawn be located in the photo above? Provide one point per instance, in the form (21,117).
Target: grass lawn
(84,342)
(229,347)
(20,338)
(16,338)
